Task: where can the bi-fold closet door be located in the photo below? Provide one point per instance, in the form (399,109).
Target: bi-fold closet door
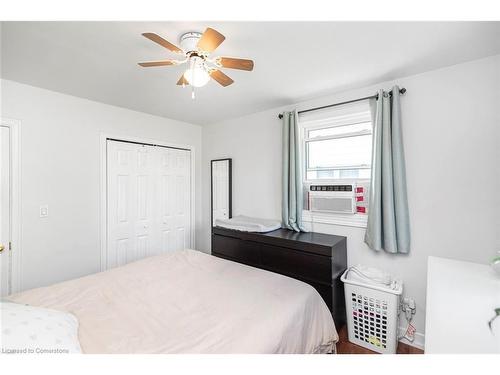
(148,201)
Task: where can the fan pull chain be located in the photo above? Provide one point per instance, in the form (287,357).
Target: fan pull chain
(192,93)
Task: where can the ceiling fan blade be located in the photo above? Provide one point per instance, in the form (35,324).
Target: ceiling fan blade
(162,42)
(182,81)
(147,64)
(220,77)
(234,63)
(210,40)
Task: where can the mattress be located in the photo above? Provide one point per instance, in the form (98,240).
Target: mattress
(249,224)
(190,302)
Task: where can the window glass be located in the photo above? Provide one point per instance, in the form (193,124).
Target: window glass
(353,151)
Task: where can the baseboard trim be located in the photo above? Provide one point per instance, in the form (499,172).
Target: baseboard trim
(418,342)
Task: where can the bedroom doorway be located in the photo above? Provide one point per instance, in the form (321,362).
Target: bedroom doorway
(10,234)
(5,210)
(148,195)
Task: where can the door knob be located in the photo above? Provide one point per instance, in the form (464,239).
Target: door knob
(2,247)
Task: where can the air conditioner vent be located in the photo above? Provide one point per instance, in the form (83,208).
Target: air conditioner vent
(332,198)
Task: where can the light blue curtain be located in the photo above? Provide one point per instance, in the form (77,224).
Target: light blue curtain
(388,219)
(292,199)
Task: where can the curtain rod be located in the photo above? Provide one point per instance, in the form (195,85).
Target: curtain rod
(402,91)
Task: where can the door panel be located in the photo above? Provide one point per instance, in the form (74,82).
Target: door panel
(4,210)
(175,198)
(144,199)
(166,241)
(149,209)
(121,252)
(130,202)
(122,168)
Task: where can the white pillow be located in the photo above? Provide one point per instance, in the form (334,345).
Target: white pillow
(29,329)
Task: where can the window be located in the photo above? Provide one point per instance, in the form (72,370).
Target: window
(338,147)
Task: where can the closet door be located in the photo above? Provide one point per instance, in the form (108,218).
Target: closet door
(148,201)
(131,175)
(174,199)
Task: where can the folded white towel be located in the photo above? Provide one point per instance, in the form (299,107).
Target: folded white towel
(248,224)
(369,275)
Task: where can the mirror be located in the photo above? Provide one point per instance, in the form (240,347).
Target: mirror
(221,198)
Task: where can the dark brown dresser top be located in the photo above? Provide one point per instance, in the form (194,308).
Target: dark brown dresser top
(320,239)
(318,243)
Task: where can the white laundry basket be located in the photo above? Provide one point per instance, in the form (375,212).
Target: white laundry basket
(372,313)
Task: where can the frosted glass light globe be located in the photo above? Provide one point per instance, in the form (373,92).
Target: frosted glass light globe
(197,76)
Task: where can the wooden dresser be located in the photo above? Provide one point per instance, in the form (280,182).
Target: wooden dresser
(315,258)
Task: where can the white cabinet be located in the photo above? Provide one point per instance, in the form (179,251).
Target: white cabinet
(461,297)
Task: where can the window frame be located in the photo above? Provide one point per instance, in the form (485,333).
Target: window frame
(353,117)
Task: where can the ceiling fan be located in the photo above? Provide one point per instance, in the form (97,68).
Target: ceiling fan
(195,49)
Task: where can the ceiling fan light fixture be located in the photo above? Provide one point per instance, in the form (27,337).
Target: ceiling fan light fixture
(196,48)
(197,75)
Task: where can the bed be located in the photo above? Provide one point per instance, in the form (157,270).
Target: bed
(190,302)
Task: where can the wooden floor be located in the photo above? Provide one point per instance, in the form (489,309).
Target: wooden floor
(346,347)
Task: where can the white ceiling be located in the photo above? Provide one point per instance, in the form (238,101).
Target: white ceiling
(294,61)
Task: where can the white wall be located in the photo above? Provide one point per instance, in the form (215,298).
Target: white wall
(60,166)
(451,127)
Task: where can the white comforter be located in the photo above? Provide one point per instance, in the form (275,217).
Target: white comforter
(191,302)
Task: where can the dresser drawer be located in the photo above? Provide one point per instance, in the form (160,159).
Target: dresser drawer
(326,293)
(246,252)
(297,264)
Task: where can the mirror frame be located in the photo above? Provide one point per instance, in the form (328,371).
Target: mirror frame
(230,189)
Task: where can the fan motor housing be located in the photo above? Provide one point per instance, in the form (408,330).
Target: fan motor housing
(189,41)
